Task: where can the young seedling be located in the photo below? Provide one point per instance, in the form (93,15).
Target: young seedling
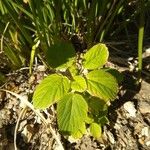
(81,91)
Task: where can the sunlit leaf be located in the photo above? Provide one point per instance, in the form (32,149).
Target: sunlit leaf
(95,130)
(73,70)
(50,90)
(115,73)
(80,132)
(71,113)
(96,57)
(79,84)
(102,84)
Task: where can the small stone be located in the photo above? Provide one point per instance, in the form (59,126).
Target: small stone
(41,68)
(130,108)
(31,79)
(130,58)
(22,125)
(145,132)
(141,141)
(147,50)
(111,137)
(138,127)
(38,119)
(144,107)
(147,143)
(22,104)
(117,126)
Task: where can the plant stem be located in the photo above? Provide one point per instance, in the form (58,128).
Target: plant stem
(140,37)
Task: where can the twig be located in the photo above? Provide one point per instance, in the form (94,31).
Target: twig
(17,125)
(37,112)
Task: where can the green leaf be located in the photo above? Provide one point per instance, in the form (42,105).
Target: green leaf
(13,56)
(103,120)
(89,120)
(102,84)
(79,84)
(95,130)
(71,113)
(73,70)
(50,90)
(115,73)
(80,132)
(60,55)
(96,105)
(96,57)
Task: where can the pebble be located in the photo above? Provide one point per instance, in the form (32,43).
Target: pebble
(25,97)
(141,141)
(111,137)
(41,68)
(22,125)
(144,107)
(147,143)
(130,108)
(117,126)
(147,51)
(145,132)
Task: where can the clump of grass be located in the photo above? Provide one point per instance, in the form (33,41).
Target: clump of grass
(48,21)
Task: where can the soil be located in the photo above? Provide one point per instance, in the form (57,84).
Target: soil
(129,114)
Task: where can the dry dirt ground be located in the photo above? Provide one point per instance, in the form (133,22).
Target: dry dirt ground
(129,115)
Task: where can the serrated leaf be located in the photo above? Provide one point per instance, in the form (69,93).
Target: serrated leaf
(115,73)
(71,113)
(80,132)
(79,84)
(95,130)
(102,84)
(60,55)
(50,90)
(96,57)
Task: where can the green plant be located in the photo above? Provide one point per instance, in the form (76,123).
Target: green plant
(141,36)
(46,21)
(80,86)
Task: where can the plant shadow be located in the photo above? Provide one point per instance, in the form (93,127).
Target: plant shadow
(146,69)
(127,93)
